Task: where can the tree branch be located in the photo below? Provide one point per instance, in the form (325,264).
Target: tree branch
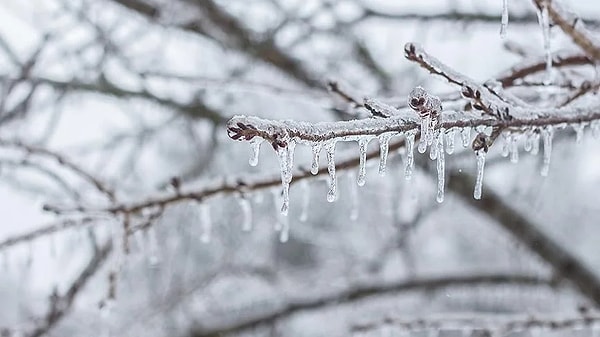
(365,291)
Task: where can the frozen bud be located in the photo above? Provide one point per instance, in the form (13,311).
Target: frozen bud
(417,99)
(434,106)
(480,142)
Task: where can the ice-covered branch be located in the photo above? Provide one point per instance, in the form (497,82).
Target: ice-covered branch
(47,230)
(565,264)
(571,25)
(488,325)
(61,160)
(60,304)
(362,292)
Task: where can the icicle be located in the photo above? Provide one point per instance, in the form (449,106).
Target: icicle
(579,128)
(305,200)
(595,126)
(528,141)
(384,140)
(544,21)
(504,23)
(316,151)
(153,258)
(535,149)
(354,204)
(465,135)
(441,166)
(547,134)
(204,214)
(284,233)
(332,193)
(362,169)
(255,144)
(480,167)
(246,207)
(514,149)
(286,162)
(424,131)
(433,150)
(505,144)
(409,163)
(450,141)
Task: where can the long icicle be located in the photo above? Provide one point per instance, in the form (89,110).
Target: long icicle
(504,23)
(332,193)
(441,166)
(480,168)
(409,163)
(362,168)
(547,134)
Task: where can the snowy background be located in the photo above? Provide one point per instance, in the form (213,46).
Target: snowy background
(137,99)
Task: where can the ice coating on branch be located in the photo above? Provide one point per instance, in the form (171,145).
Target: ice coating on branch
(409,163)
(504,23)
(286,164)
(450,141)
(305,200)
(441,166)
(316,151)
(362,168)
(514,148)
(206,221)
(465,135)
(544,21)
(255,146)
(384,140)
(480,168)
(246,208)
(332,192)
(578,128)
(434,106)
(547,134)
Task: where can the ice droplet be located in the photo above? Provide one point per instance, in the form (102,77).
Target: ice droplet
(579,128)
(384,140)
(441,166)
(305,200)
(465,135)
(424,130)
(544,21)
(362,168)
(504,23)
(205,220)
(316,151)
(480,168)
(246,207)
(255,146)
(547,134)
(332,193)
(450,141)
(409,163)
